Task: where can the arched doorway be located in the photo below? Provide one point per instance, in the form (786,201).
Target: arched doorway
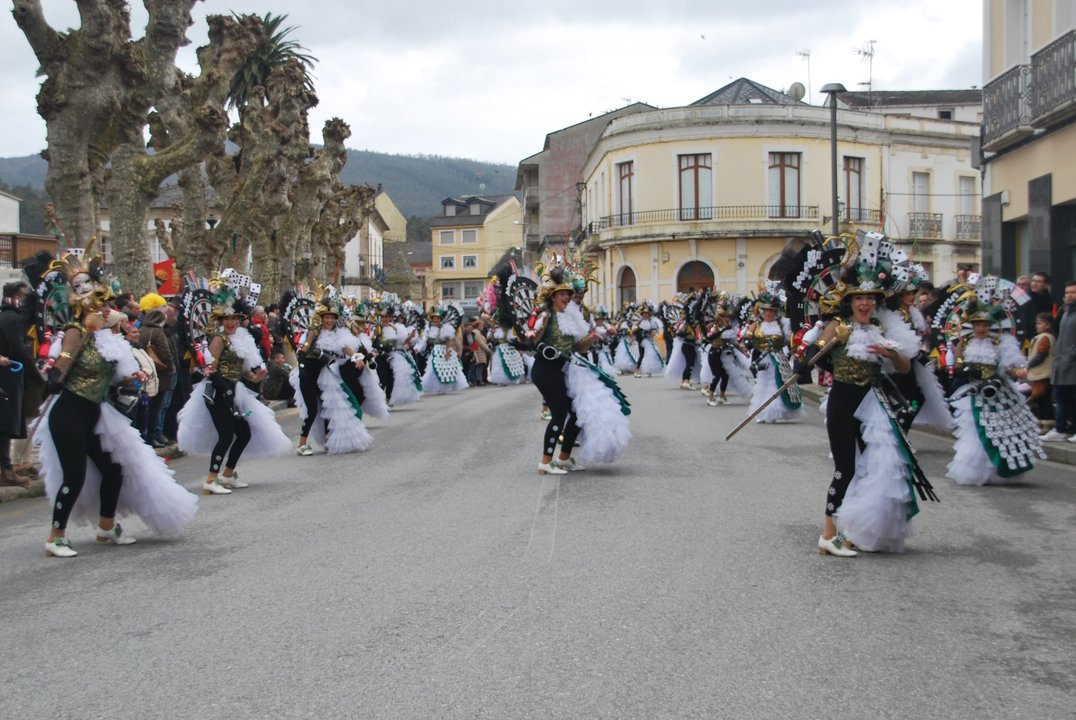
(695,275)
(625,288)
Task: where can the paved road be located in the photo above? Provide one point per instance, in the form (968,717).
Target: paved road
(438,576)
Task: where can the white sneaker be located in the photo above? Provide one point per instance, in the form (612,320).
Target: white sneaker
(215,488)
(570,464)
(1054,436)
(114,536)
(233,482)
(304,450)
(711,402)
(638,374)
(60,547)
(1072,439)
(551,468)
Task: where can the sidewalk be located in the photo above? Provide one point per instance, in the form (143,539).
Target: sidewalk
(1062,452)
(37,486)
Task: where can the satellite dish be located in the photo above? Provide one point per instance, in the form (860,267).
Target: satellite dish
(796,91)
(481,187)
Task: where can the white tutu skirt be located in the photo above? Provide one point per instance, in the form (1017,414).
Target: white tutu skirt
(374,403)
(407,381)
(605,361)
(675,368)
(627,354)
(877,510)
(935,411)
(970,464)
(198,436)
(651,364)
(765,387)
(149,489)
(604,428)
(506,366)
(347,433)
(440,364)
(737,365)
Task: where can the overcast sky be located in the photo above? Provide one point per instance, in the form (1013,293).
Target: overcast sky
(488,80)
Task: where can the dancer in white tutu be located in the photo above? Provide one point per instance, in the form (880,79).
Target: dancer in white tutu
(996,433)
(95,464)
(223,418)
(584,402)
(728,365)
(872,494)
(444,373)
(769,334)
(602,351)
(684,363)
(626,357)
(646,332)
(333,386)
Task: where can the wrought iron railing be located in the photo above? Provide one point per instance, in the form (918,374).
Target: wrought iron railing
(927,226)
(969,227)
(1007,104)
(1054,72)
(722,212)
(861,215)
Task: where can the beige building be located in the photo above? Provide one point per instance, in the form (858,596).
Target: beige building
(1029,138)
(470,237)
(711,194)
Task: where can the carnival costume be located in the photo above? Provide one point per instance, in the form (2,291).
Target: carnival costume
(728,367)
(685,363)
(584,402)
(996,434)
(332,383)
(626,358)
(223,418)
(872,494)
(769,342)
(646,332)
(124,476)
(507,363)
(444,373)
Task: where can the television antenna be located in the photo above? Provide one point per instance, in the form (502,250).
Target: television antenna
(866,54)
(806,55)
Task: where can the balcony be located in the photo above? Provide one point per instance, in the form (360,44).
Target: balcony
(1007,109)
(924,226)
(705,214)
(1054,88)
(862,216)
(969,227)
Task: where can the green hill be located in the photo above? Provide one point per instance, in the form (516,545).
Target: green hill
(416,183)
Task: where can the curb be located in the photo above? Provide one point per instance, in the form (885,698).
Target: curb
(1055,452)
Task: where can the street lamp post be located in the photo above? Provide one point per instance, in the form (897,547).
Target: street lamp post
(832,89)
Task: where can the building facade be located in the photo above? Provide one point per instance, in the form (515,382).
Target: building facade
(1029,138)
(712,194)
(469,238)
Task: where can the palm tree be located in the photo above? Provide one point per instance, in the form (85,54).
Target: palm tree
(276,51)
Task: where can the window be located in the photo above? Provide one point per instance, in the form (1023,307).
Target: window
(920,192)
(476,209)
(471,290)
(470,261)
(625,206)
(449,291)
(448,262)
(968,196)
(945,114)
(853,189)
(450,210)
(625,289)
(469,237)
(784,190)
(448,237)
(696,187)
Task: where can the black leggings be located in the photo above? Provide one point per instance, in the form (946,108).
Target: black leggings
(548,376)
(71,423)
(308,386)
(690,354)
(385,375)
(721,377)
(233,431)
(843,430)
